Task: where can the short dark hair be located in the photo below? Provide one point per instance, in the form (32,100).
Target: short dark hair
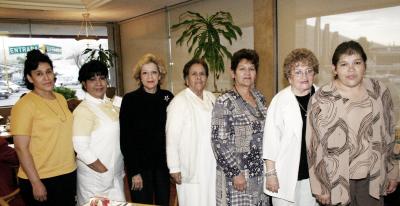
(249,54)
(349,48)
(190,63)
(33,58)
(91,69)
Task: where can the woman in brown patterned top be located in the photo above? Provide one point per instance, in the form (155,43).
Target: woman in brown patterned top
(350,134)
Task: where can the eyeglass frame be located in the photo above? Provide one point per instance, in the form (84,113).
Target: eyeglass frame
(298,73)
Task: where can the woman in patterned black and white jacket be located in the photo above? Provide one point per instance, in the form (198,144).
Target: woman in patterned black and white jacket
(237,134)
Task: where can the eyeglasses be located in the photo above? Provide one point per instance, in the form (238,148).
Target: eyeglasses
(299,73)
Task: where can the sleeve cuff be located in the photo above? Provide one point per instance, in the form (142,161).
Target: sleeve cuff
(87,157)
(174,170)
(81,146)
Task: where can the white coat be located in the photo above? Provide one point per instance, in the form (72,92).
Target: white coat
(282,141)
(189,151)
(184,128)
(103,144)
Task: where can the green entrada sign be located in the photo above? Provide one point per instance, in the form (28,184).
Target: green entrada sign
(21,49)
(25,49)
(52,49)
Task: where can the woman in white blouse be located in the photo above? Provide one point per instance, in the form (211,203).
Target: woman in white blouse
(284,147)
(190,157)
(96,139)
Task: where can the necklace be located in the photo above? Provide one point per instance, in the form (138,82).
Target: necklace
(301,106)
(62,117)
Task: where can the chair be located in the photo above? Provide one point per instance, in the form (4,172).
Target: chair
(73,103)
(110,92)
(4,200)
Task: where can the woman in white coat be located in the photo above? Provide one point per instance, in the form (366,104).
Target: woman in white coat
(190,157)
(96,139)
(284,147)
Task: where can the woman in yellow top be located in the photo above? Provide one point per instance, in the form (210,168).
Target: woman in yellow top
(42,128)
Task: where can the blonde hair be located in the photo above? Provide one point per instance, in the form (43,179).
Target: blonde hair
(149,58)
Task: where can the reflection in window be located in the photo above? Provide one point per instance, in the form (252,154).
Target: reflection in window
(377,30)
(66,54)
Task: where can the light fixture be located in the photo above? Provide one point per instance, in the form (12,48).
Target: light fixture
(86,29)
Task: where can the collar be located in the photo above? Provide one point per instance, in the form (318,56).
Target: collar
(188,90)
(331,88)
(150,94)
(90,98)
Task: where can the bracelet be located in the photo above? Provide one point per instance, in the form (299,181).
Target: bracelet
(271,171)
(270,174)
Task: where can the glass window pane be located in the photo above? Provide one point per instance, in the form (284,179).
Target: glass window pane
(66,54)
(375,25)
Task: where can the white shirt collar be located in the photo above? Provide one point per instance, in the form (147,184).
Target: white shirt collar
(95,100)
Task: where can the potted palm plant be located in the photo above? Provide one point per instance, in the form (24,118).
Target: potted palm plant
(106,56)
(203,36)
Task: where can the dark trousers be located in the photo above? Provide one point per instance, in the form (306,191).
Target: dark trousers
(61,191)
(359,194)
(394,198)
(156,186)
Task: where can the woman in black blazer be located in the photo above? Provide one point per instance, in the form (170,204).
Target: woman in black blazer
(142,124)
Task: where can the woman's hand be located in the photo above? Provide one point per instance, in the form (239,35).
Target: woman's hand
(137,182)
(324,199)
(239,182)
(98,166)
(391,186)
(177,177)
(272,183)
(21,144)
(39,191)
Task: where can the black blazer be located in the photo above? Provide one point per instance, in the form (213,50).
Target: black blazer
(142,130)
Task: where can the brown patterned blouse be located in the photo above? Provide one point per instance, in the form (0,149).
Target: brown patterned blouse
(350,139)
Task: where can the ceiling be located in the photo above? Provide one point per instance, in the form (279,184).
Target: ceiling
(71,10)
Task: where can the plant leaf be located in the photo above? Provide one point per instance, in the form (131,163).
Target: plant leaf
(203,36)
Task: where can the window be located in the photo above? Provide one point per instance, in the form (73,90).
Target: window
(59,44)
(321,25)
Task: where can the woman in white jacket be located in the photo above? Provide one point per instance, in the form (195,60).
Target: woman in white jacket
(96,139)
(190,157)
(284,147)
